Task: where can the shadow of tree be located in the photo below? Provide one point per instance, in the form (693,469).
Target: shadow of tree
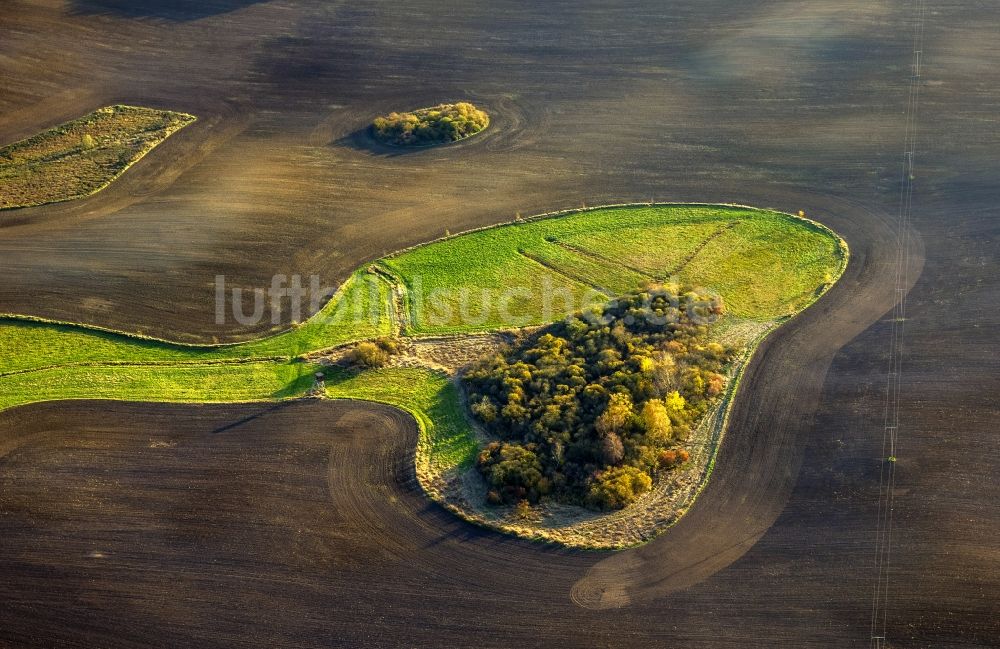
(362,140)
(257,415)
(176,10)
(300,384)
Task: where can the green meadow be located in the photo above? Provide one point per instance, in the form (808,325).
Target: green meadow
(218,382)
(764,264)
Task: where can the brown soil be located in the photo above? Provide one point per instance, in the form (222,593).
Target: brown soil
(300,526)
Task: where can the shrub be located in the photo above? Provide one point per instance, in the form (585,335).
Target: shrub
(524,512)
(388,345)
(618,487)
(673,457)
(485,410)
(616,415)
(656,421)
(375,353)
(368,355)
(514,472)
(715,384)
(668,458)
(612,449)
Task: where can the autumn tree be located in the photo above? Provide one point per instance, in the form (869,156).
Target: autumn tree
(616,415)
(580,409)
(656,422)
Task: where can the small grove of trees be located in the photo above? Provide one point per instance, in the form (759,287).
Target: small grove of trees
(589,410)
(373,354)
(435,125)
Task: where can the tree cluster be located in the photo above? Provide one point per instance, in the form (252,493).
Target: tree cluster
(435,125)
(589,410)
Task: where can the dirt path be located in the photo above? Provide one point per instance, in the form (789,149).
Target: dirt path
(398,312)
(448,354)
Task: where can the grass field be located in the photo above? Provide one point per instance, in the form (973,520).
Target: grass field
(631,247)
(765,264)
(82,156)
(219,382)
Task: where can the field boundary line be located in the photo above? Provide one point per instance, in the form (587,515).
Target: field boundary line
(249,360)
(586,252)
(890,425)
(579,279)
(701,246)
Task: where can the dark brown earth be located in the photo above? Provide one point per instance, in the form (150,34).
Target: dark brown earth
(300,525)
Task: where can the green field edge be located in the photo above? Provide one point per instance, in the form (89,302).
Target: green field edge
(169,363)
(180,344)
(541,216)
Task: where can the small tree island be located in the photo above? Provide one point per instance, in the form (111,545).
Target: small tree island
(591,410)
(426,126)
